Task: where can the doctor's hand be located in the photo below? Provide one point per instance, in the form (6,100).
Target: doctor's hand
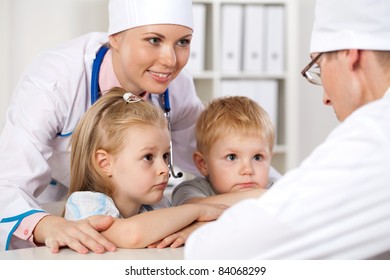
(80,236)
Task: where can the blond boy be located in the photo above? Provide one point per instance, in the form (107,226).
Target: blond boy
(235,139)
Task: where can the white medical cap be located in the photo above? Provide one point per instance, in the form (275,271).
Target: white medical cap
(126,14)
(351,24)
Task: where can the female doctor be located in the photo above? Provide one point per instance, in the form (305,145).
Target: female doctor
(149,44)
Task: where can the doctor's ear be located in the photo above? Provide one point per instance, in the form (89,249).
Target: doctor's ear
(115,40)
(103,160)
(354,58)
(200,163)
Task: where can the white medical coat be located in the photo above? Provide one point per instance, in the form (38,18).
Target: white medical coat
(336,205)
(49,100)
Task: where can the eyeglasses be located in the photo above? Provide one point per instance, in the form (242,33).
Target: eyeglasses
(312,71)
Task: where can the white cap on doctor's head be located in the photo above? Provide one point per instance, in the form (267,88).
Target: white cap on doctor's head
(126,14)
(351,24)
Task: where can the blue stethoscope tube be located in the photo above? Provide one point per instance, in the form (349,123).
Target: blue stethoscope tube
(95,73)
(164,100)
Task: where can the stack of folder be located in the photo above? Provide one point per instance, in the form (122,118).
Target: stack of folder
(253,38)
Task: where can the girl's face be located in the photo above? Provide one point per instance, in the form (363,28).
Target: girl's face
(237,163)
(140,170)
(148,58)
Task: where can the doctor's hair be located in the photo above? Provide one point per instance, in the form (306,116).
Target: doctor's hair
(229,115)
(383,58)
(104,127)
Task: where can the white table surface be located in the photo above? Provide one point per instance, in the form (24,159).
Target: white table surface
(43,253)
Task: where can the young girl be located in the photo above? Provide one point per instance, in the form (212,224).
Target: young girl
(119,167)
(144,51)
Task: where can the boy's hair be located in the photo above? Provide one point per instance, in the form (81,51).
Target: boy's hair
(104,126)
(232,115)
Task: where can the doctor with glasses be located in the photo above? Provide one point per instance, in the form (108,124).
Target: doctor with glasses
(336,204)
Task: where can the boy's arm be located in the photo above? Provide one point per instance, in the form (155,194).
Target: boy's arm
(198,190)
(180,237)
(228,198)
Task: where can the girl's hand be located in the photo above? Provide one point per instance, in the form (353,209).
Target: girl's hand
(177,239)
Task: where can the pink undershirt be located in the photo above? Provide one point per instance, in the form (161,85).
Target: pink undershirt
(107,77)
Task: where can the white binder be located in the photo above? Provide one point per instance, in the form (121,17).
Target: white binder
(232,30)
(265,93)
(230,88)
(254,39)
(196,61)
(275,31)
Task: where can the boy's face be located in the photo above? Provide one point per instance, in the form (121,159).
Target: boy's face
(237,163)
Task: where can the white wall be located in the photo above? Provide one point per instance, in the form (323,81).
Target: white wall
(40,24)
(315,119)
(4,59)
(37,25)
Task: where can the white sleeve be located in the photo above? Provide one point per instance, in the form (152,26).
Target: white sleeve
(185,109)
(32,121)
(237,234)
(81,205)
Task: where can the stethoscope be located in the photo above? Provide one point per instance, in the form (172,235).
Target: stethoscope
(163,100)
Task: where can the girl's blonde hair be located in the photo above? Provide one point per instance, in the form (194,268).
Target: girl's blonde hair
(104,126)
(232,115)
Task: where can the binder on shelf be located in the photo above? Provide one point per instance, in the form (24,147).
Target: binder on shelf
(196,61)
(266,94)
(254,38)
(275,32)
(230,87)
(232,30)
(248,88)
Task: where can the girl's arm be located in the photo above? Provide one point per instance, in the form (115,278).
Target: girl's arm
(146,228)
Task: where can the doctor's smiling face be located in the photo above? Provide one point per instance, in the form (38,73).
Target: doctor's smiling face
(148,58)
